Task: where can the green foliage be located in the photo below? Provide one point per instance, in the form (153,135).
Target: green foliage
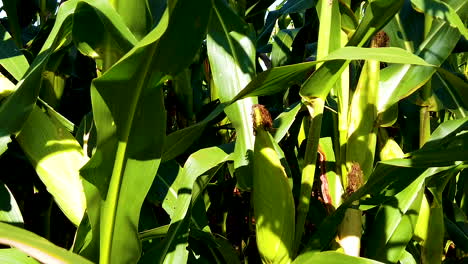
(127,133)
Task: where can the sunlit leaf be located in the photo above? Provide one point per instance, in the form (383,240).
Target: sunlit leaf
(15,256)
(57,158)
(11,57)
(36,246)
(9,210)
(231,52)
(331,257)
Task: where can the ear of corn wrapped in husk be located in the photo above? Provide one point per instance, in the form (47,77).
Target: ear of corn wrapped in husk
(272,197)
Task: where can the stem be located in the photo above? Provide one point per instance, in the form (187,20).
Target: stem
(343,110)
(426,93)
(315,107)
(425,123)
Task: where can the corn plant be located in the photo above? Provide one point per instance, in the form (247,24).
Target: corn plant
(215,131)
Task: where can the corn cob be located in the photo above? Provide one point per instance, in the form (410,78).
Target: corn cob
(272,197)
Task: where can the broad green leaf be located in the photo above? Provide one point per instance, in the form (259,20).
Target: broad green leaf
(36,246)
(232,59)
(179,141)
(9,210)
(331,257)
(198,163)
(11,57)
(15,256)
(399,81)
(57,158)
(441,10)
(394,224)
(131,129)
(188,25)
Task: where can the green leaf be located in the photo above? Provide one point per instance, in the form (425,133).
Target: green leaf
(275,80)
(57,158)
(15,256)
(394,224)
(11,57)
(232,59)
(441,10)
(407,258)
(330,257)
(162,190)
(135,14)
(457,234)
(282,46)
(454,91)
(36,246)
(17,107)
(445,147)
(9,210)
(377,14)
(388,179)
(158,232)
(109,38)
(284,121)
(11,8)
(278,79)
(272,16)
(406,29)
(131,128)
(390,55)
(399,81)
(198,163)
